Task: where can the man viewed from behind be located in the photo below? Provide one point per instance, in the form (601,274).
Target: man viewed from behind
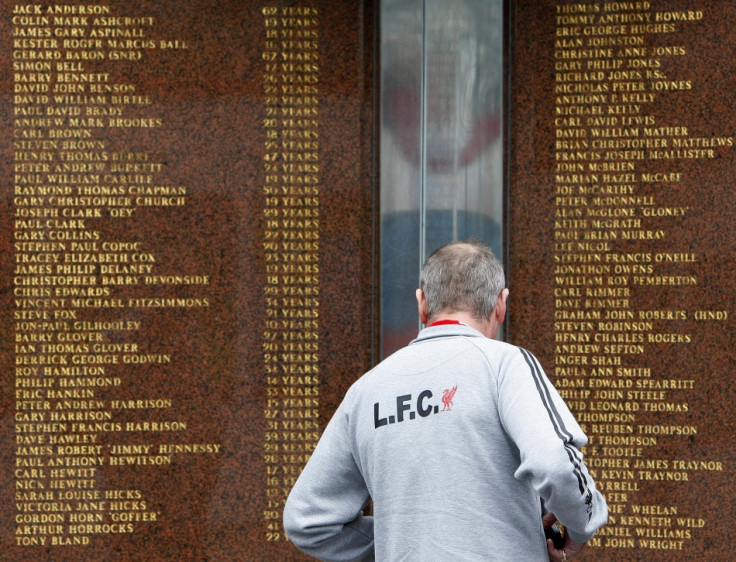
(457,439)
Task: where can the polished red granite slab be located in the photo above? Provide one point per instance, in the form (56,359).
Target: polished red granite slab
(621,256)
(185,324)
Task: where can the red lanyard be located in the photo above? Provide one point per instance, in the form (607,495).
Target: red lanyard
(443,323)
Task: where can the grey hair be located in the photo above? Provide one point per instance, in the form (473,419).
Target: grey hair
(462,277)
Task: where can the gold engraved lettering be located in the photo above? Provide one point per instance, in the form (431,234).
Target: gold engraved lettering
(291,246)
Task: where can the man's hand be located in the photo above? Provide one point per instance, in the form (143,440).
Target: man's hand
(570,549)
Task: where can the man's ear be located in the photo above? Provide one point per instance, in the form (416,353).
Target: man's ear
(421,305)
(500,309)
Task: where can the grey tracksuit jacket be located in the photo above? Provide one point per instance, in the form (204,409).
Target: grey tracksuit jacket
(456,438)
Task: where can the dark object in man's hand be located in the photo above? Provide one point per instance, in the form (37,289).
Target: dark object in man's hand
(553,532)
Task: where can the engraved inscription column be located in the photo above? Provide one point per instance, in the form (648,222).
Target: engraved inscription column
(83,297)
(638,292)
(609,184)
(291,166)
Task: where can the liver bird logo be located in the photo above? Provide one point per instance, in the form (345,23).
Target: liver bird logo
(447,396)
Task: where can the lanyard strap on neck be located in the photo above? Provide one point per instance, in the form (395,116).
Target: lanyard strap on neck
(444,323)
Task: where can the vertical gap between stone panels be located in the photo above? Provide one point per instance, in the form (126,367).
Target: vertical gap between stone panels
(423,150)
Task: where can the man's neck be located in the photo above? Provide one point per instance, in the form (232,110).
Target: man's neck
(484,327)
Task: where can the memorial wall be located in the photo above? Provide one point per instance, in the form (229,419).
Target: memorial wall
(621,254)
(187,268)
(189,262)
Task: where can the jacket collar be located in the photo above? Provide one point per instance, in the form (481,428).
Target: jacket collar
(446,330)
